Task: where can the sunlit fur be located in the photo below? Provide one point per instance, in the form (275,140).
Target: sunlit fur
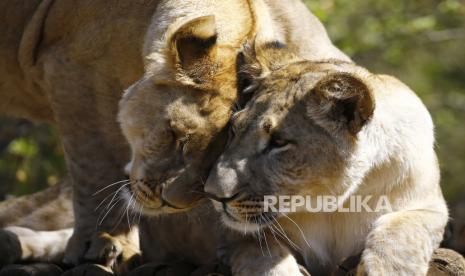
(173,116)
(347,132)
(68,62)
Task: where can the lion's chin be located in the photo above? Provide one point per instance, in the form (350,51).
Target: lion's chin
(245,227)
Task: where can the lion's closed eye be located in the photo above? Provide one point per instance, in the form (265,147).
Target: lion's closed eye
(277,144)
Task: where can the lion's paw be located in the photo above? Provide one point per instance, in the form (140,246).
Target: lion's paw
(271,266)
(115,252)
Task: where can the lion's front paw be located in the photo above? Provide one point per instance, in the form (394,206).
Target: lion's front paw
(371,264)
(115,252)
(271,266)
(10,248)
(104,249)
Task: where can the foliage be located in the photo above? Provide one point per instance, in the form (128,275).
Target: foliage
(31,157)
(423,44)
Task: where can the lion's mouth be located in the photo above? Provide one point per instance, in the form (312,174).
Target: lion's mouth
(228,214)
(164,208)
(166,203)
(244,221)
(152,207)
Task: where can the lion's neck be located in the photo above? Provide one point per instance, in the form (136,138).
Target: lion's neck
(394,159)
(324,240)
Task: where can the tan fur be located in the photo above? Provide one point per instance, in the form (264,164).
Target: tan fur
(46,210)
(174,142)
(333,128)
(73,61)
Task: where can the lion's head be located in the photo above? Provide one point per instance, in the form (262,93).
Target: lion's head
(173,117)
(295,137)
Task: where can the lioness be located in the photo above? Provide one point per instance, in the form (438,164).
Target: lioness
(332,128)
(68,62)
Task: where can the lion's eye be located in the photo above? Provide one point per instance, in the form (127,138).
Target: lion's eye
(277,143)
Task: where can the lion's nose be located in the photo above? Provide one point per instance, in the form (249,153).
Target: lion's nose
(222,182)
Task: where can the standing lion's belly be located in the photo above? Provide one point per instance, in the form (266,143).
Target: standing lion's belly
(18,97)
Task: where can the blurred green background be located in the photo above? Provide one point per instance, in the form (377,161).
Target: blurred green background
(423,44)
(420,42)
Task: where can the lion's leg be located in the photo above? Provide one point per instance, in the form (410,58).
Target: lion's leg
(402,243)
(48,211)
(96,153)
(23,244)
(270,258)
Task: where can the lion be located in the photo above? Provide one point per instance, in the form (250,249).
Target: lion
(332,128)
(68,63)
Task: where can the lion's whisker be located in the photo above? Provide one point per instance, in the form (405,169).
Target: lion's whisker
(260,239)
(110,185)
(275,231)
(101,202)
(120,194)
(109,210)
(134,212)
(264,236)
(284,235)
(140,213)
(109,206)
(274,228)
(298,227)
(105,199)
(120,219)
(116,193)
(127,211)
(274,235)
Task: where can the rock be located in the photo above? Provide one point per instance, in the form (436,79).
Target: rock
(212,270)
(88,270)
(154,269)
(39,269)
(10,248)
(447,262)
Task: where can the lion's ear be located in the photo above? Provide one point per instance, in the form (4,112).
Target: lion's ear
(193,49)
(341,101)
(257,59)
